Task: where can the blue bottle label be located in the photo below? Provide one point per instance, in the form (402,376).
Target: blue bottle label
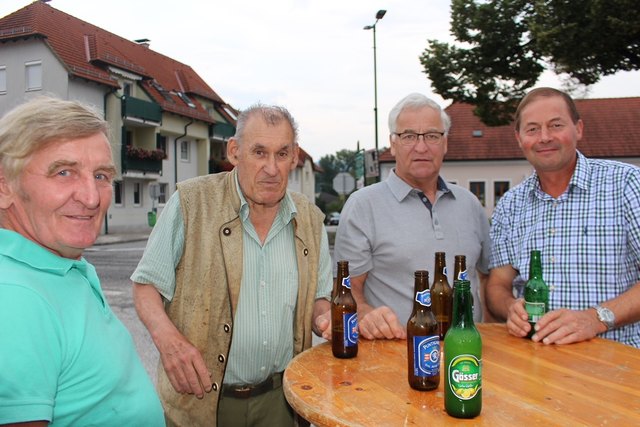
(346,282)
(424,298)
(462,275)
(426,356)
(350,322)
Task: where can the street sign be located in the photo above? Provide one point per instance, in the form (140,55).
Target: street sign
(154,191)
(359,165)
(344,183)
(371,163)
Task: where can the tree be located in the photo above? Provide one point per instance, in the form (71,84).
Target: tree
(505,45)
(331,165)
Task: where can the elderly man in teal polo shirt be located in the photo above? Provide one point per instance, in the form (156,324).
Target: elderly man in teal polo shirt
(65,358)
(244,267)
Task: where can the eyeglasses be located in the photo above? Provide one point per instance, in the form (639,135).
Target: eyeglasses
(410,138)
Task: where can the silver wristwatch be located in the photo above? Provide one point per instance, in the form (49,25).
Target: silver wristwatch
(606,316)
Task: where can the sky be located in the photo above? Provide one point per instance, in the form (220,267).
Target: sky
(311,56)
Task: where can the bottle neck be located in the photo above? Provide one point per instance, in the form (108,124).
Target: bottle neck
(421,295)
(343,273)
(535,266)
(462,304)
(440,268)
(460,268)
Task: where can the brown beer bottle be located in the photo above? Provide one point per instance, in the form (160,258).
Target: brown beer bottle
(441,295)
(344,316)
(460,268)
(423,345)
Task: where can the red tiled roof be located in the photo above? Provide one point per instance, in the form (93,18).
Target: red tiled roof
(302,156)
(611,129)
(87,51)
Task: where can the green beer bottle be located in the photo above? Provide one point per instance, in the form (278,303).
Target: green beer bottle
(536,292)
(463,358)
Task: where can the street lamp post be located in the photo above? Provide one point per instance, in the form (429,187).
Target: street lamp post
(379,16)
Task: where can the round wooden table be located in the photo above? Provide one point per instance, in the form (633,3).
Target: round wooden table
(524,383)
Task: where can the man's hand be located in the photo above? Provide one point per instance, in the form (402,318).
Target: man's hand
(517,319)
(182,362)
(379,323)
(184,365)
(322,326)
(322,318)
(565,326)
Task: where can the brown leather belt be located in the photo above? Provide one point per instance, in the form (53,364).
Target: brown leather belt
(245,391)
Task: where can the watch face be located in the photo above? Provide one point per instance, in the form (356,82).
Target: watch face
(606,316)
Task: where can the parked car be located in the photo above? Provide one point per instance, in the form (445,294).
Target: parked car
(333,218)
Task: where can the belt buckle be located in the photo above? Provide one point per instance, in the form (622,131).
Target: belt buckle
(243,392)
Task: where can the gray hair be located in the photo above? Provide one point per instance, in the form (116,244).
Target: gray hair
(272,115)
(31,126)
(417,101)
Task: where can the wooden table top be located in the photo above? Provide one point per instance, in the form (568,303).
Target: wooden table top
(524,383)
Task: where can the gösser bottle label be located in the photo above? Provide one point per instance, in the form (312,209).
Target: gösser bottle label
(465,376)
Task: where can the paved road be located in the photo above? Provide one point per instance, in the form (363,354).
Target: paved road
(114,264)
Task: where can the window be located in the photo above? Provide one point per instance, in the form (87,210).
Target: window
(499,188)
(186,100)
(118,193)
(162,197)
(161,142)
(33,75)
(126,90)
(3,79)
(184,151)
(137,194)
(477,188)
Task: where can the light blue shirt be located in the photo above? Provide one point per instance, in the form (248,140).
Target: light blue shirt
(589,237)
(262,341)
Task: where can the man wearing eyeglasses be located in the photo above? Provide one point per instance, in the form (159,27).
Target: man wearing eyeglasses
(391,229)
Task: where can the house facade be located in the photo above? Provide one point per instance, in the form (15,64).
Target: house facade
(167,124)
(487,160)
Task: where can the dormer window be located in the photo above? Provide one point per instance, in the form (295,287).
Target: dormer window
(186,100)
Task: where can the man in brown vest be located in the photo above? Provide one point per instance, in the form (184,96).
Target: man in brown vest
(235,276)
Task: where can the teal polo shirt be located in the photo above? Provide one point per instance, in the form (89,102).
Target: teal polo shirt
(64,356)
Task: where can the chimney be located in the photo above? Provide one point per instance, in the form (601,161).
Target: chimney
(143,42)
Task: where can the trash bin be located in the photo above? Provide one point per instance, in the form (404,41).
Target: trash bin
(151,218)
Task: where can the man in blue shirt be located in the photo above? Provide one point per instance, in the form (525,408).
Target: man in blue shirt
(65,358)
(584,216)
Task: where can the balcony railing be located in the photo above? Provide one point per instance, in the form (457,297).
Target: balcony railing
(141,109)
(140,160)
(152,166)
